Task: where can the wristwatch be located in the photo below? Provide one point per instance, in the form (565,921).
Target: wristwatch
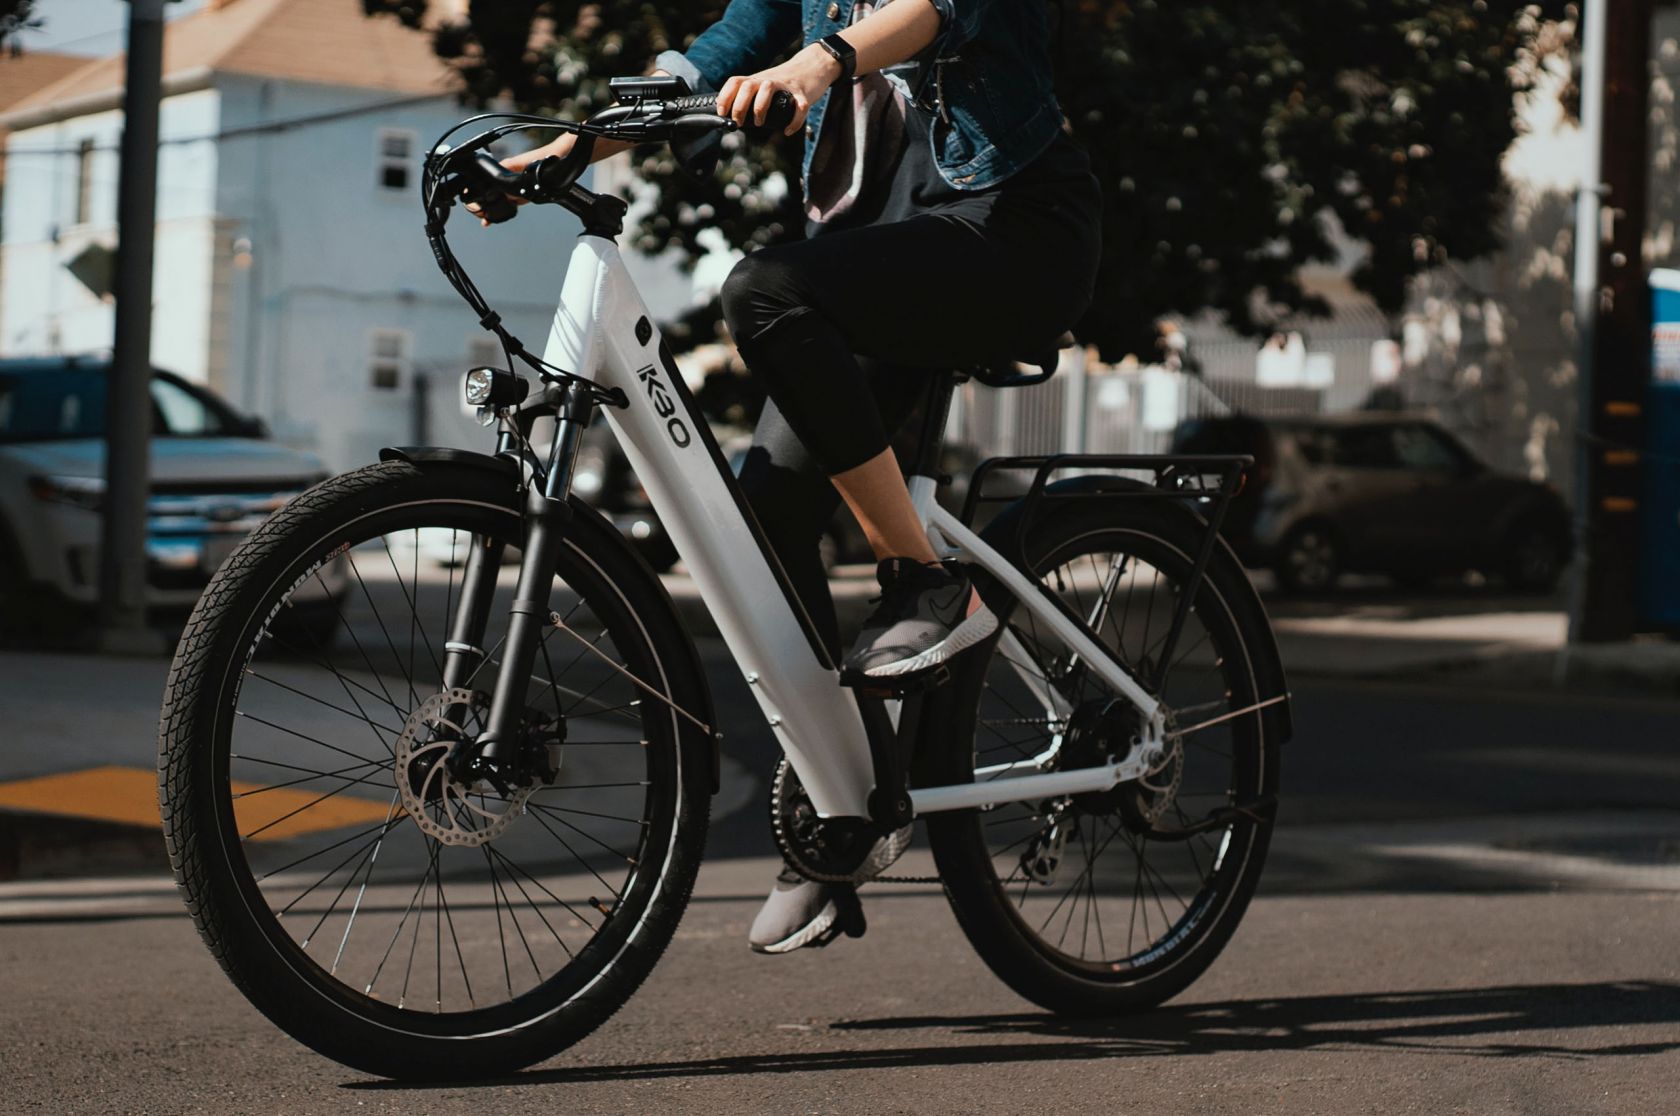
(842,52)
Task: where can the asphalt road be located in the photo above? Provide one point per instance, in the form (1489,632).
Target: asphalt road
(1471,907)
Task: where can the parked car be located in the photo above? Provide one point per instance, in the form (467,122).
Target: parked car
(1391,494)
(214,478)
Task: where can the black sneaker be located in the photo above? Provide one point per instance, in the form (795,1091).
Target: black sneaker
(927,614)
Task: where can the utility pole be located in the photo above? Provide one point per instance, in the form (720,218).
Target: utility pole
(122,550)
(1612,317)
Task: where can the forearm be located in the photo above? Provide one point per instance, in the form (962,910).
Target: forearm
(892,34)
(562,145)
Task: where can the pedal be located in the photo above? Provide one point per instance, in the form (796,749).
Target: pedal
(883,689)
(850,920)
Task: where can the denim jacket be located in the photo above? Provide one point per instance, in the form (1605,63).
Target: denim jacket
(985,81)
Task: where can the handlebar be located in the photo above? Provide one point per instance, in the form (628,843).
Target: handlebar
(471,174)
(650,109)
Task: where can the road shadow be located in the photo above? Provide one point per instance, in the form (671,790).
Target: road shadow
(1512,1021)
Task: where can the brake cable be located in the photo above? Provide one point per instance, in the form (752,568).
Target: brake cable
(434,178)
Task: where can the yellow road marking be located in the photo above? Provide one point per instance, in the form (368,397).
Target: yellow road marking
(128,795)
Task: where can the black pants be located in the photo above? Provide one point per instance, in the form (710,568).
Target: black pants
(842,328)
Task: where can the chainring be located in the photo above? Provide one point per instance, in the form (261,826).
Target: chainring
(827,850)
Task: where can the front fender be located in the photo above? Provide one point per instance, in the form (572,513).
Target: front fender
(1002,533)
(604,542)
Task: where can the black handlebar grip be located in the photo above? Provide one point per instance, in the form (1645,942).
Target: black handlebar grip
(776,118)
(486,184)
(494,206)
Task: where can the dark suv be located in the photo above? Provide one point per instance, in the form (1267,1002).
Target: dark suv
(1390,494)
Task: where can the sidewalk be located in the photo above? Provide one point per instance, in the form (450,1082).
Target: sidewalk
(77,764)
(1462,635)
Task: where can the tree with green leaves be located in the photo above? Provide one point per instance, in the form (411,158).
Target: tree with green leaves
(16,17)
(1232,140)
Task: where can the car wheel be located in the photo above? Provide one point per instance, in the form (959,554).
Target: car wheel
(1533,559)
(31,614)
(1309,561)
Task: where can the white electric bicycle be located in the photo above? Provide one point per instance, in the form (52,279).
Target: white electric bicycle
(449,834)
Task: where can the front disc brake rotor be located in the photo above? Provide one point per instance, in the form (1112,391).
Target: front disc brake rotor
(446,809)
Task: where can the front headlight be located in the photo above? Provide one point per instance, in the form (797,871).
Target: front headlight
(87,493)
(479,385)
(493,387)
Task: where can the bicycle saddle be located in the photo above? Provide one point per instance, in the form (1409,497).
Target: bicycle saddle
(1006,373)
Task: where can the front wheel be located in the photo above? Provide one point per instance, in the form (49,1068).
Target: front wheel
(367,897)
(1087,904)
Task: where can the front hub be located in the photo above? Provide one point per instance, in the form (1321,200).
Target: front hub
(455,804)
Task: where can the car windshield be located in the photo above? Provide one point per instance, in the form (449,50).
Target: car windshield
(60,403)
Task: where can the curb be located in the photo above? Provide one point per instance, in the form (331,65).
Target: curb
(1641,669)
(49,846)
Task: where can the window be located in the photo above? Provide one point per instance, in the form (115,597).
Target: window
(1426,450)
(396,156)
(388,359)
(1365,447)
(84,182)
(183,413)
(485,352)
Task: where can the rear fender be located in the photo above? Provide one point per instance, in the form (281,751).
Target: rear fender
(600,539)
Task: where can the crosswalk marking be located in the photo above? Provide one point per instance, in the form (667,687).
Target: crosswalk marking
(128,796)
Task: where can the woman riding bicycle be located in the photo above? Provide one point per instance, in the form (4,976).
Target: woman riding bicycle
(951,222)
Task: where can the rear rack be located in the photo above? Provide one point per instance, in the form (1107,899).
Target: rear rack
(1209,480)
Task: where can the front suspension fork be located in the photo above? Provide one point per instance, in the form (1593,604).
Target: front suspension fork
(546,515)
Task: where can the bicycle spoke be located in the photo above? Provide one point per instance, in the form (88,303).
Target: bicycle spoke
(320,701)
(390,645)
(302,736)
(361,892)
(492,901)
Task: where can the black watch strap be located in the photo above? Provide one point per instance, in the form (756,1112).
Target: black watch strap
(843,53)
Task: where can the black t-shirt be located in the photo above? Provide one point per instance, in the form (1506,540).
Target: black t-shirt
(905,183)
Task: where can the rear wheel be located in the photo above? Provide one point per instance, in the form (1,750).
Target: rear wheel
(355,888)
(1087,904)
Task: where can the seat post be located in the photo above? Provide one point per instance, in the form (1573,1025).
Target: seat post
(936,411)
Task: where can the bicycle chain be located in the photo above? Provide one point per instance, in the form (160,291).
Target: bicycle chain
(908,880)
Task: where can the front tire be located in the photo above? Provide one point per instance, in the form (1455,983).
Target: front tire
(305,867)
(1132,920)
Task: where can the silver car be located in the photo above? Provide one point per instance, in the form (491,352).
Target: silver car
(215,477)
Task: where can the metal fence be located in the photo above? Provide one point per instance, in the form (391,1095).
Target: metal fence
(1098,409)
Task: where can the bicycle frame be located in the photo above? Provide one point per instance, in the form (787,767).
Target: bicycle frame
(602,331)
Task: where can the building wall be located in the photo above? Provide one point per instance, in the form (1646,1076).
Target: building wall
(317,257)
(44,309)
